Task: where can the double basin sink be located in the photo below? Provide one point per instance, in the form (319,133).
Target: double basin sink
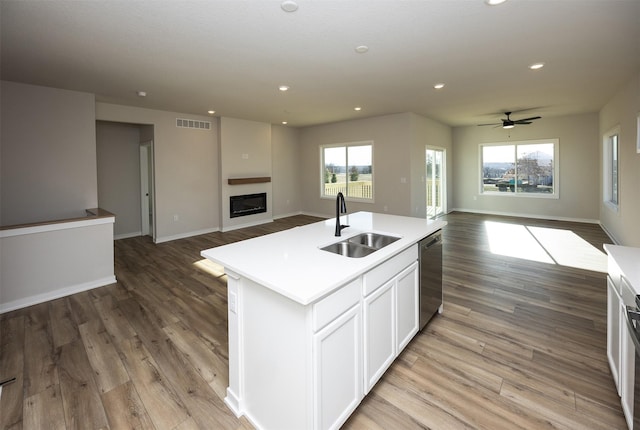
(360,245)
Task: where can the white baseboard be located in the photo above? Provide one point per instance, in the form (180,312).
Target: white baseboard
(185,235)
(608,233)
(275,217)
(524,215)
(56,294)
(127,235)
(315,214)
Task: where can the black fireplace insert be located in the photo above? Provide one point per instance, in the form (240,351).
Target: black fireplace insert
(248,204)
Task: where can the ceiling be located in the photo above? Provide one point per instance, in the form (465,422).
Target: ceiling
(231,56)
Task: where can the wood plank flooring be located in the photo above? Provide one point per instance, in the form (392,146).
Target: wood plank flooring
(521,344)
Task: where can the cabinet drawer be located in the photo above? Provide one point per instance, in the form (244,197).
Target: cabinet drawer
(332,306)
(375,278)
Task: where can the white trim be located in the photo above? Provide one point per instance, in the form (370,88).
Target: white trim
(127,235)
(608,233)
(275,217)
(56,294)
(63,225)
(185,235)
(521,215)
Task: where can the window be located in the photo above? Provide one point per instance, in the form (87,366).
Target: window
(347,168)
(526,169)
(610,169)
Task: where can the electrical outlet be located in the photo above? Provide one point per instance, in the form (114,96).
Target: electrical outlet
(386,208)
(175,217)
(245,156)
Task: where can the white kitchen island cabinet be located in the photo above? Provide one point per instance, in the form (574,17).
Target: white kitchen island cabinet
(623,284)
(311,331)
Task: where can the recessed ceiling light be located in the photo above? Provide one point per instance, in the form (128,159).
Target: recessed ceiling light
(438,86)
(289,6)
(358,108)
(284,122)
(494,2)
(283,88)
(142,93)
(536,66)
(362,49)
(211,112)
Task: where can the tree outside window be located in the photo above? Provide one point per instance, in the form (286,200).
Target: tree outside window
(523,168)
(347,168)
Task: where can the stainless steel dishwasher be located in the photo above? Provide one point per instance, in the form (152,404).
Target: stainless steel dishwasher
(430,277)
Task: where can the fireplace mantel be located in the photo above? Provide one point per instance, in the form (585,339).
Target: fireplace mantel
(255,180)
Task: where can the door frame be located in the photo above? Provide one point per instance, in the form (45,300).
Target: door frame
(443,179)
(147,190)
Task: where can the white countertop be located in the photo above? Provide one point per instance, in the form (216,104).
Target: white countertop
(628,259)
(291,262)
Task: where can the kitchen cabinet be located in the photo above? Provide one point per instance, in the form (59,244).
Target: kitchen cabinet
(310,332)
(627,353)
(623,284)
(337,370)
(390,315)
(614,325)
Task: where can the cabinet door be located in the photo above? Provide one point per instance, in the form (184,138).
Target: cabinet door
(407,306)
(613,331)
(379,333)
(337,370)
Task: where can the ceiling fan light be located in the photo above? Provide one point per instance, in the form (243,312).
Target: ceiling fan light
(507,126)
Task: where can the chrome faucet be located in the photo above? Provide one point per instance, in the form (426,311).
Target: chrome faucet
(341,207)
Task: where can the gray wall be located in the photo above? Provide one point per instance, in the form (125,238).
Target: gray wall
(47,145)
(579,177)
(285,159)
(186,177)
(623,110)
(245,151)
(399,161)
(118,155)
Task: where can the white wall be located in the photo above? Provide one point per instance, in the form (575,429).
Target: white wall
(245,152)
(285,159)
(579,178)
(186,177)
(427,132)
(118,159)
(622,110)
(391,136)
(48,164)
(399,143)
(49,261)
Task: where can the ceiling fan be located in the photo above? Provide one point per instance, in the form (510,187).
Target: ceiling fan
(510,123)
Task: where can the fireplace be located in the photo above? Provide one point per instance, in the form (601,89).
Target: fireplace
(247,204)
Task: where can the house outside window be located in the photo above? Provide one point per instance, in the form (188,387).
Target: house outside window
(610,169)
(347,168)
(523,169)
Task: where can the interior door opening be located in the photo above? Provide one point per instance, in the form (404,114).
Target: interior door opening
(436,182)
(146,188)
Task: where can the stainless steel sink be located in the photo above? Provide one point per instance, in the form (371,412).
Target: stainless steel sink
(349,249)
(360,245)
(373,240)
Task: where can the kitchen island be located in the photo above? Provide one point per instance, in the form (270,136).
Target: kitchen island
(311,331)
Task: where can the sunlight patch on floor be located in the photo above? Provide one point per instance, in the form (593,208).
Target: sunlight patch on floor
(209,267)
(513,240)
(546,245)
(569,249)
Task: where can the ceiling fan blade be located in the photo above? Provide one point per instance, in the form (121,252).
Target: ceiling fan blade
(522,122)
(493,123)
(527,119)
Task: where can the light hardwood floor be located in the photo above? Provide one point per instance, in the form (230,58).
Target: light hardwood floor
(521,344)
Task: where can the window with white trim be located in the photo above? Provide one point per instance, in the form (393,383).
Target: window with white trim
(610,168)
(526,169)
(347,168)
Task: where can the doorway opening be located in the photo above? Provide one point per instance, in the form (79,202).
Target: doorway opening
(146,188)
(436,182)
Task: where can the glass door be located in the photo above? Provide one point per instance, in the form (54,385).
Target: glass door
(436,178)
